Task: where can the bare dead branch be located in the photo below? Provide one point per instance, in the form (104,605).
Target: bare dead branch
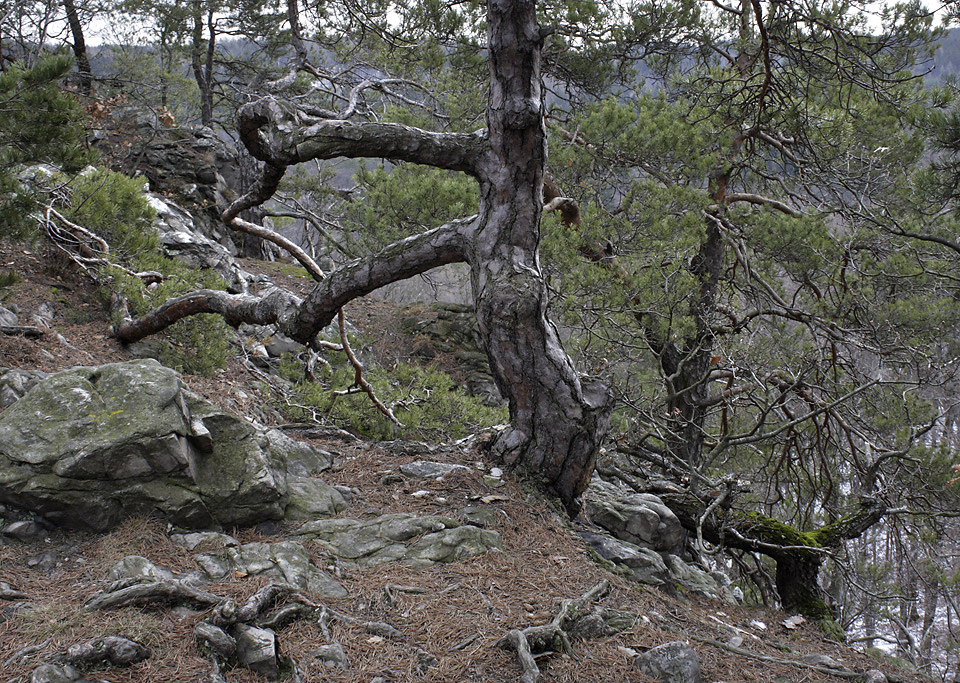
(358,378)
(234,308)
(276,132)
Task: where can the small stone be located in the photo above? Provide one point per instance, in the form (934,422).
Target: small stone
(8,317)
(216,639)
(874,676)
(822,660)
(135,566)
(484,517)
(55,673)
(257,650)
(191,541)
(44,315)
(45,562)
(735,641)
(674,662)
(425,469)
(26,530)
(332,655)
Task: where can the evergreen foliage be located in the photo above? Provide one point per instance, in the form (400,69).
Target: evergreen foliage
(116,205)
(39,122)
(425,399)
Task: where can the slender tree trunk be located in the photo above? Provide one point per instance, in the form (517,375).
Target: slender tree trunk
(201,60)
(79,47)
(557,421)
(931,595)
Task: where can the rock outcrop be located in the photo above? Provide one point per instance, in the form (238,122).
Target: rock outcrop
(90,446)
(452,330)
(400,537)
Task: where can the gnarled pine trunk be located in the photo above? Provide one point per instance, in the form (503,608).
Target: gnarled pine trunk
(557,420)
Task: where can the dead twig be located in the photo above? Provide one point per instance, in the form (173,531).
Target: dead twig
(358,378)
(25,652)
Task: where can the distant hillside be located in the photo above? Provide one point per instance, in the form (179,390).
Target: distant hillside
(946,62)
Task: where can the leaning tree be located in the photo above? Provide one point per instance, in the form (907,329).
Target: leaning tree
(558,418)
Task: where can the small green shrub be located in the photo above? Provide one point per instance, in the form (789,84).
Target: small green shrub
(114,206)
(426,400)
(9,278)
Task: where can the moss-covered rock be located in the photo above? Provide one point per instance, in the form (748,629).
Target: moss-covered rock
(400,537)
(90,446)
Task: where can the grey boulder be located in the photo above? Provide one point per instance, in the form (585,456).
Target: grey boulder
(674,662)
(91,446)
(639,518)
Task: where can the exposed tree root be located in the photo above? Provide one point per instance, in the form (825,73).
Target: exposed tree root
(8,592)
(25,652)
(166,591)
(21,330)
(531,672)
(552,637)
(112,650)
(227,612)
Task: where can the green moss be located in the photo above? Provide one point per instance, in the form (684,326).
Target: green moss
(288,269)
(770,530)
(830,626)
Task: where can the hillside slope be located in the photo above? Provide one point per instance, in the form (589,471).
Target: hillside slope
(448,618)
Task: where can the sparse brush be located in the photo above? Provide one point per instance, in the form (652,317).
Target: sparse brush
(9,278)
(425,399)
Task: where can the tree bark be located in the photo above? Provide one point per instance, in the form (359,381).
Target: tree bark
(79,47)
(557,420)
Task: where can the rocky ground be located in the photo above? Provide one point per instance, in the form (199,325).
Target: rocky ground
(394,621)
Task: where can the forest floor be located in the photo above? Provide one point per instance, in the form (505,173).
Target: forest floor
(458,612)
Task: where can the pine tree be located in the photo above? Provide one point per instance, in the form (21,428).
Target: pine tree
(39,122)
